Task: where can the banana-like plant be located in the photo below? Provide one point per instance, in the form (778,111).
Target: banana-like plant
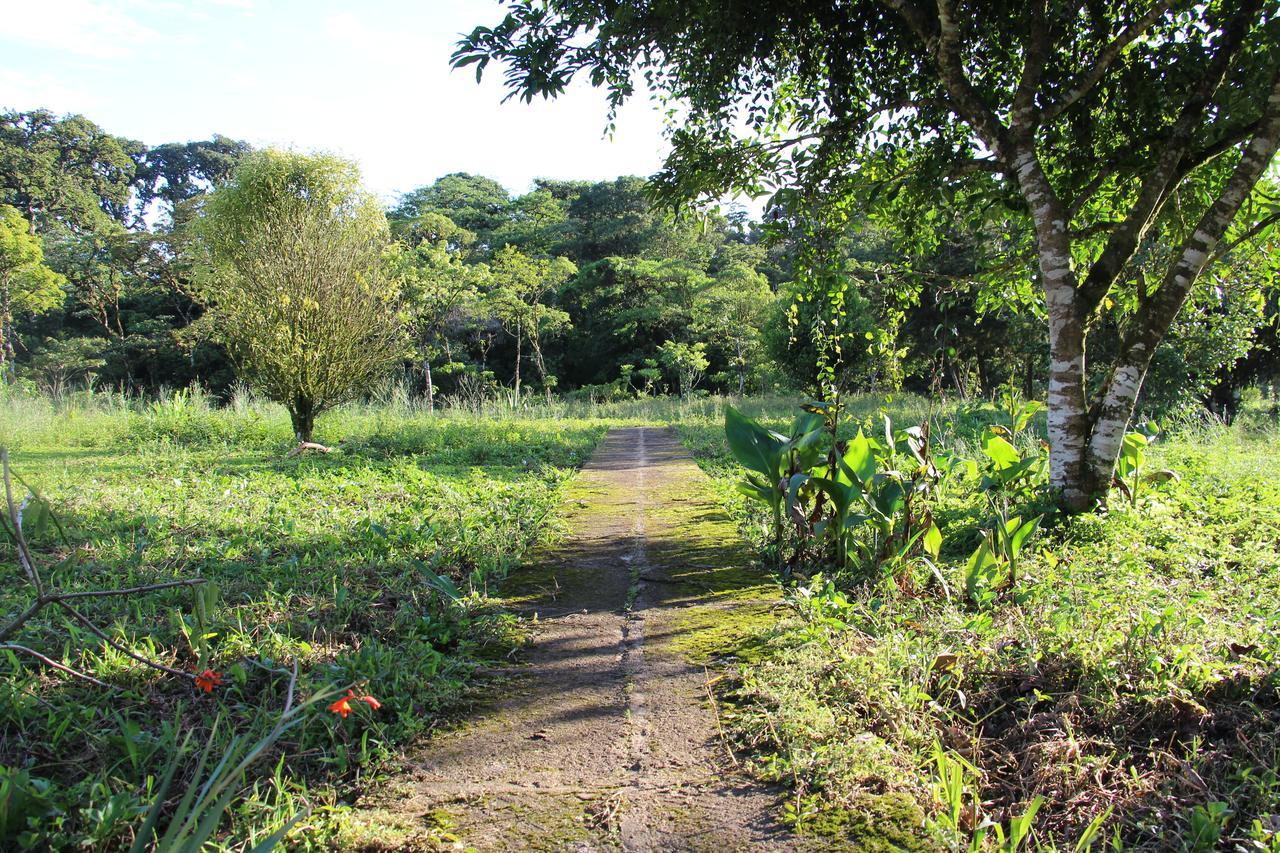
(994,563)
(773,459)
(864,500)
(1130,467)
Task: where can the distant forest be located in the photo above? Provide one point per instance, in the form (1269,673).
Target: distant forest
(574,287)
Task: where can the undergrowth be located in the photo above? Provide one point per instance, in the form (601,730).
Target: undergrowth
(1123,692)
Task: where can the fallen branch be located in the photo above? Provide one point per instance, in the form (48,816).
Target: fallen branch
(44,597)
(50,662)
(304,446)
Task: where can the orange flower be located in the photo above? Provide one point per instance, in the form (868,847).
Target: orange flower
(208,680)
(343,705)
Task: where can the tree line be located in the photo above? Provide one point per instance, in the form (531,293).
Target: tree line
(587,288)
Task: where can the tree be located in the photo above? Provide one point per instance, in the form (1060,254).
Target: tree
(729,316)
(623,309)
(438,290)
(178,171)
(472,202)
(290,256)
(1098,125)
(687,361)
(27,286)
(65,170)
(520,297)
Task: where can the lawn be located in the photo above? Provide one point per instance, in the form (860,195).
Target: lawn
(370,567)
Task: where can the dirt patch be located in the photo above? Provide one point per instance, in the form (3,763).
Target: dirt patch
(605,736)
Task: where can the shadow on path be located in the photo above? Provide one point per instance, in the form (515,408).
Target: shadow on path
(605,737)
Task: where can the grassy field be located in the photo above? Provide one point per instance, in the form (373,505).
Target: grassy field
(370,566)
(1123,692)
(1127,683)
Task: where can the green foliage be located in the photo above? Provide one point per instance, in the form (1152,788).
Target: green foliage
(1130,468)
(687,361)
(378,563)
(27,286)
(1129,671)
(291,266)
(859,498)
(64,170)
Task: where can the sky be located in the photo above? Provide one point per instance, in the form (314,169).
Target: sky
(370,81)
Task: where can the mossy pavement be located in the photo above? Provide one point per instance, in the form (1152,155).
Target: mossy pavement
(605,735)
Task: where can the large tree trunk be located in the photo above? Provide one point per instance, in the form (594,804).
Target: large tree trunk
(1069,475)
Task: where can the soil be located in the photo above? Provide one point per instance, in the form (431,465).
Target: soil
(606,736)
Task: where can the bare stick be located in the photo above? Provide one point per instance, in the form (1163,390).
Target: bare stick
(103,593)
(15,518)
(117,646)
(715,709)
(54,664)
(20,620)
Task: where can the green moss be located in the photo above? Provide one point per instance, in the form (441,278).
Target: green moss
(883,822)
(706,634)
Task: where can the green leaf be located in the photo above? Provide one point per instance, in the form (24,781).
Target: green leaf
(755,447)
(859,461)
(933,541)
(999,451)
(1023,533)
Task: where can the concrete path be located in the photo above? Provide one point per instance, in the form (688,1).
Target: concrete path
(606,738)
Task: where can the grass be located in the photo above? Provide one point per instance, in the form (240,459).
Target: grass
(1129,681)
(333,561)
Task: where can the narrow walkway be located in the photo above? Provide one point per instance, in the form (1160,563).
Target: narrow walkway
(605,738)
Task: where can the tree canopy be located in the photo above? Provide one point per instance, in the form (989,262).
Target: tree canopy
(1083,132)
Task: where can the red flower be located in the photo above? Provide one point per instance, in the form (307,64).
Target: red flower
(208,680)
(343,705)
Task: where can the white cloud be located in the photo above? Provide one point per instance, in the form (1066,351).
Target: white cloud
(23,91)
(96,29)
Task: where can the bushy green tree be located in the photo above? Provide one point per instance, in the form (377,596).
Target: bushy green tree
(521,296)
(729,317)
(291,267)
(687,361)
(64,170)
(475,203)
(440,293)
(27,285)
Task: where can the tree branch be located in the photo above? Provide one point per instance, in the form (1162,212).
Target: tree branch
(1154,317)
(1024,116)
(49,662)
(1164,175)
(83,620)
(1102,64)
(15,518)
(1257,228)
